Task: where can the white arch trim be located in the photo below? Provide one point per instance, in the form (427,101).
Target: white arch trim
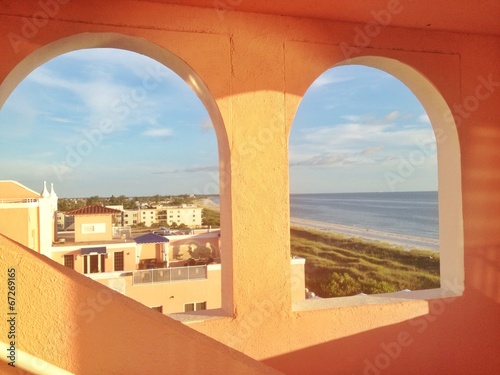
(119,41)
(451,234)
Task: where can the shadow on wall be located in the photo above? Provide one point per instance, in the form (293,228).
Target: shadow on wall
(446,340)
(66,316)
(193,249)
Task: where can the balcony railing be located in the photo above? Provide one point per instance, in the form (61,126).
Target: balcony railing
(18,200)
(168,275)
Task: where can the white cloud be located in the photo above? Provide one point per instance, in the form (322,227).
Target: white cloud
(62,120)
(136,63)
(357,142)
(372,150)
(393,116)
(210,168)
(330,77)
(352,118)
(423,118)
(164,132)
(206,125)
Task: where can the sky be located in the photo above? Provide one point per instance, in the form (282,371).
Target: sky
(112,122)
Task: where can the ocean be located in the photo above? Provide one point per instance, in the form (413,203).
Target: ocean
(404,213)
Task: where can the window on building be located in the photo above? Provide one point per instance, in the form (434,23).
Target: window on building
(94,228)
(376,161)
(195,306)
(119,261)
(94,263)
(201,306)
(69,261)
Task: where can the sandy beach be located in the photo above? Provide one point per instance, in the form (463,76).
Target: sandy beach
(408,242)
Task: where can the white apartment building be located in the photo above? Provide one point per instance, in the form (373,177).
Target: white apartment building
(185,214)
(131,217)
(148,216)
(189,215)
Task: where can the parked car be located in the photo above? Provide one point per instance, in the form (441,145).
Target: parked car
(162,231)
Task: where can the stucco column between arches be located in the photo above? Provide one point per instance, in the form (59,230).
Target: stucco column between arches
(258,179)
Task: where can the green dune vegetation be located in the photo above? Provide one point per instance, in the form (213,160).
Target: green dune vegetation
(337,265)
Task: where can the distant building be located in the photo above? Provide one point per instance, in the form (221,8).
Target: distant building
(64,222)
(190,215)
(131,217)
(27,216)
(148,216)
(172,273)
(155,270)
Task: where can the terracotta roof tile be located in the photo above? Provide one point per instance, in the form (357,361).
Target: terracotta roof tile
(94,210)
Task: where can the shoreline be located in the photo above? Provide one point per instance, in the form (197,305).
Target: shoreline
(406,241)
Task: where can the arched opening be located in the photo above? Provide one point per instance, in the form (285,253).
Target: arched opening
(110,117)
(369,138)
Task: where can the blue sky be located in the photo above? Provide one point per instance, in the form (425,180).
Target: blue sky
(102,122)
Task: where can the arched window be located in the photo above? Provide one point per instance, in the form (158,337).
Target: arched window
(121,129)
(364,188)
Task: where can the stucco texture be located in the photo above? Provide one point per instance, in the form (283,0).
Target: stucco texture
(251,70)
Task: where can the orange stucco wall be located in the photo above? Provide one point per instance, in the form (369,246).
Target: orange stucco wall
(257,67)
(86,328)
(21,224)
(171,296)
(58,252)
(81,220)
(151,251)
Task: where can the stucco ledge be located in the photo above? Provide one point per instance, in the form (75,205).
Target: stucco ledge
(374,299)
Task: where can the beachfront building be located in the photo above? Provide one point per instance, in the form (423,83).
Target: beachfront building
(189,215)
(147,216)
(251,62)
(130,217)
(146,268)
(171,274)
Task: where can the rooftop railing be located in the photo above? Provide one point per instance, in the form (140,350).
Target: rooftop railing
(18,200)
(168,275)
